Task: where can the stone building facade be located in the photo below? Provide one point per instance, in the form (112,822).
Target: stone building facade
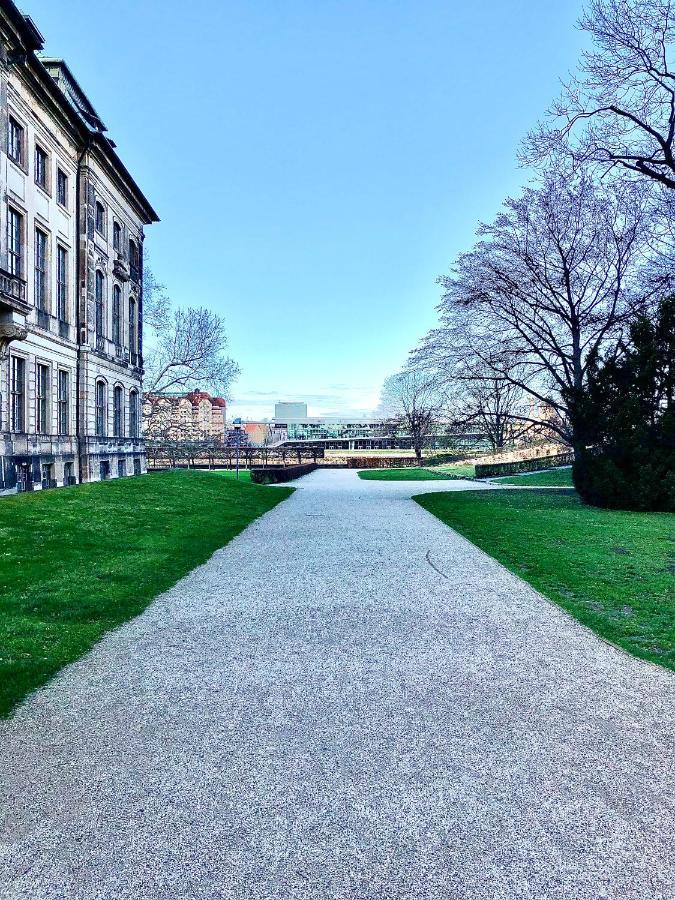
(195,416)
(71,244)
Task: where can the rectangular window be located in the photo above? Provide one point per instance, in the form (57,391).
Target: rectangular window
(62,284)
(133,414)
(40,269)
(62,187)
(117,412)
(132,325)
(15,243)
(117,315)
(117,236)
(98,308)
(40,167)
(100,218)
(41,399)
(100,409)
(134,261)
(15,142)
(63,402)
(18,391)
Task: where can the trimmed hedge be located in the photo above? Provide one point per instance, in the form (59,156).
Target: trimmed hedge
(493,470)
(279,474)
(380,462)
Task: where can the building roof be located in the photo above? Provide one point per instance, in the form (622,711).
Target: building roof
(56,84)
(196,397)
(64,78)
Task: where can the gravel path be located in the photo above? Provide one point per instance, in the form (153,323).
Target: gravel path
(348,701)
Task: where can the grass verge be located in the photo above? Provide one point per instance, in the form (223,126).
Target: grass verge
(551,478)
(244,474)
(418,474)
(614,571)
(79,561)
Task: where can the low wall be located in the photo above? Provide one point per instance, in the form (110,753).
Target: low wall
(494,470)
(279,474)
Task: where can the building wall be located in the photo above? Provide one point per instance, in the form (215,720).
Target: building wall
(49,341)
(284,410)
(104,359)
(64,340)
(196,416)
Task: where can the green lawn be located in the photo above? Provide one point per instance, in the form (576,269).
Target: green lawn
(417,474)
(552,478)
(614,571)
(76,562)
(244,474)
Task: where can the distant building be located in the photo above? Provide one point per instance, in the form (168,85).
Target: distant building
(351,433)
(195,416)
(284,411)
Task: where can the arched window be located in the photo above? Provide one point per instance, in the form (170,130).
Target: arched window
(100,289)
(101,408)
(133,414)
(133,344)
(117,315)
(118,412)
(100,217)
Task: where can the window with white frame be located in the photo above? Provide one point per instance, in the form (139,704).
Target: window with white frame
(117,315)
(41,167)
(40,269)
(63,402)
(42,398)
(15,242)
(18,394)
(15,142)
(62,283)
(132,325)
(98,297)
(62,187)
(134,261)
(133,414)
(118,412)
(100,217)
(101,409)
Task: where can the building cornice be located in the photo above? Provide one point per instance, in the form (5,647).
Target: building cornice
(25,41)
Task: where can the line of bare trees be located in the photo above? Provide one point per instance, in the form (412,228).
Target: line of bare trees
(553,282)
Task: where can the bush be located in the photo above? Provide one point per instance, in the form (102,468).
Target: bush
(492,470)
(640,482)
(380,462)
(627,414)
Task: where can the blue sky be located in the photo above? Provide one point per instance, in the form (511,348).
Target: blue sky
(316,164)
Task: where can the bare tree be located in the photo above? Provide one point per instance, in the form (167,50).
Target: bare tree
(413,403)
(470,370)
(186,350)
(551,281)
(619,110)
(496,406)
